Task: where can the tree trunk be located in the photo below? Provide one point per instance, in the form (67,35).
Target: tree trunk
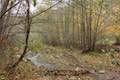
(27,26)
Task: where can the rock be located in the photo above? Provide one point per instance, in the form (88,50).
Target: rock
(102,71)
(72,78)
(17,56)
(79,78)
(78,69)
(25,60)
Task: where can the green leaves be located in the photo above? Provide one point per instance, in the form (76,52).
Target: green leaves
(34,2)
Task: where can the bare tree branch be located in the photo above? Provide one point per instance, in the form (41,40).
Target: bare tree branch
(10,9)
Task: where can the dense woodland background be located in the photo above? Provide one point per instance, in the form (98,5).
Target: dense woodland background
(84,25)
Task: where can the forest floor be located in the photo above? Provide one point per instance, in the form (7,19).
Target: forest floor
(68,64)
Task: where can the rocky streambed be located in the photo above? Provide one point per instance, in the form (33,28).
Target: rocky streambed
(66,64)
